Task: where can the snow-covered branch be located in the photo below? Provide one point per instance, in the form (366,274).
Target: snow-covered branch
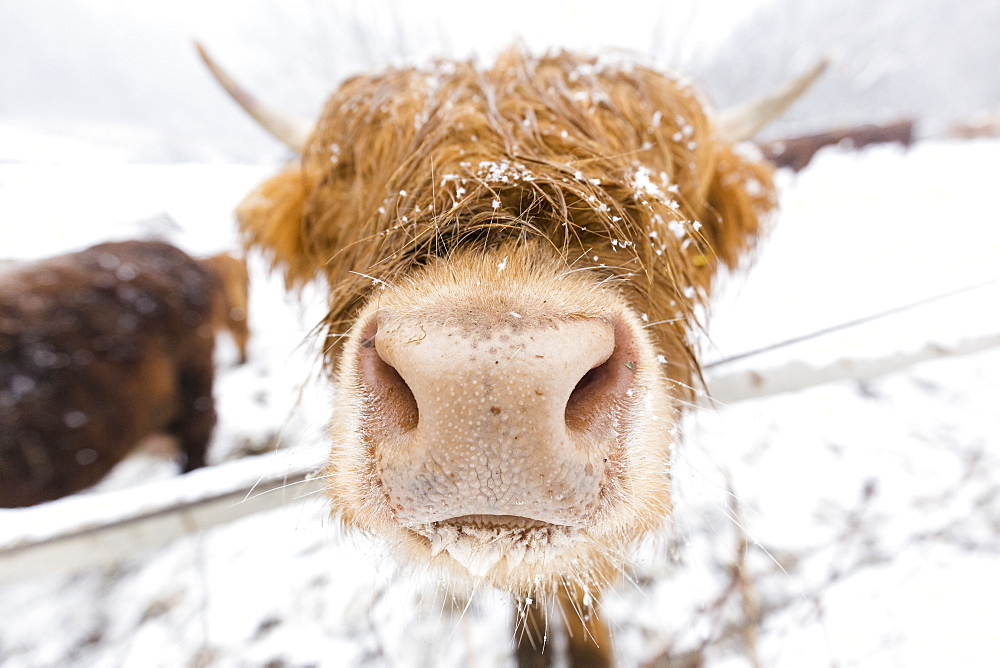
(82,531)
(798,375)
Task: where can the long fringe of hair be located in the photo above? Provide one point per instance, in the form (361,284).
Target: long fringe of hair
(611,164)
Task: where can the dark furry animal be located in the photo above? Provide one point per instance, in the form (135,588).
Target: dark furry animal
(101,348)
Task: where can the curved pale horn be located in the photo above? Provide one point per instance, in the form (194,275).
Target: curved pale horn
(744,121)
(291,131)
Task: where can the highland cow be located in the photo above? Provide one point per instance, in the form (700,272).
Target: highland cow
(517,258)
(101,348)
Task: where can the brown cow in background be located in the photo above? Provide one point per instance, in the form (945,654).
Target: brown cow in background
(101,348)
(517,257)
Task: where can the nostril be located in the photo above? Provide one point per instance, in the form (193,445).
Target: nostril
(397,407)
(605,387)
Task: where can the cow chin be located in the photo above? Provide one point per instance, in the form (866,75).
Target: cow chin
(504,417)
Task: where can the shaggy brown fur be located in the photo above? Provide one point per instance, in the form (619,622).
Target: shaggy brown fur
(419,183)
(613,162)
(101,348)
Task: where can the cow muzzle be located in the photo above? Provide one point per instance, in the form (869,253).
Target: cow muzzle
(494,420)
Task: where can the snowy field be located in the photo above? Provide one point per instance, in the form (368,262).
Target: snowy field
(852,523)
(863,516)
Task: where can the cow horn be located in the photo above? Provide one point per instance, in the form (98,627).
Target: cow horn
(742,122)
(289,130)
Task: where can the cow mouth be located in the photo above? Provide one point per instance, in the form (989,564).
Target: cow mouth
(497,522)
(481,542)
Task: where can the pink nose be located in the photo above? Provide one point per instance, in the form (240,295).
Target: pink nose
(495,415)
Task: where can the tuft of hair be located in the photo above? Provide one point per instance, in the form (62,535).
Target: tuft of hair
(614,165)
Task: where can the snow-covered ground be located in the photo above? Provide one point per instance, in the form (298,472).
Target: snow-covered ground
(852,523)
(858,521)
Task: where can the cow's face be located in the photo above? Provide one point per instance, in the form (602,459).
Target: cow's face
(517,256)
